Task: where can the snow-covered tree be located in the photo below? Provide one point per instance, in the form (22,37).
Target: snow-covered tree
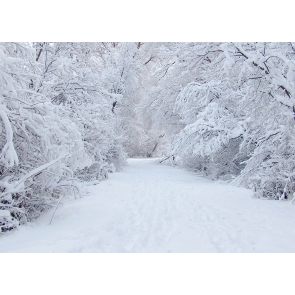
(242,93)
(37,144)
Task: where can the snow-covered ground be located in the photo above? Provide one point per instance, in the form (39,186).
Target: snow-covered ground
(150,207)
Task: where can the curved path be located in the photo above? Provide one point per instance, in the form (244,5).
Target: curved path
(150,207)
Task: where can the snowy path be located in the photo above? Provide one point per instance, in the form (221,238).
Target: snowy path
(156,208)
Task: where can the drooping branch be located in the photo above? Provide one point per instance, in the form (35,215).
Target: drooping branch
(266,69)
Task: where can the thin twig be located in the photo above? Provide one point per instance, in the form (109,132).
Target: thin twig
(55,208)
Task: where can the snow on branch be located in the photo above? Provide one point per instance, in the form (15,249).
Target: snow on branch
(8,154)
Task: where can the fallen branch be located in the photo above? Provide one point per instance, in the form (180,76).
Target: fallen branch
(167,158)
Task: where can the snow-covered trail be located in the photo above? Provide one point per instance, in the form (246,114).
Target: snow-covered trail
(156,208)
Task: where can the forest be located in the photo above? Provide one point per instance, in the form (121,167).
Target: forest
(72,113)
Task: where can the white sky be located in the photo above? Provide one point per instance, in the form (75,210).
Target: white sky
(152,20)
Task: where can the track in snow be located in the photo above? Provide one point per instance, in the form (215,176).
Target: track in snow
(150,207)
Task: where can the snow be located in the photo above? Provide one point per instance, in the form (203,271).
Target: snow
(4,213)
(151,207)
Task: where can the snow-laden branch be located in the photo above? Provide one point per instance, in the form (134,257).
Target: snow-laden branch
(13,187)
(8,154)
(271,71)
(39,169)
